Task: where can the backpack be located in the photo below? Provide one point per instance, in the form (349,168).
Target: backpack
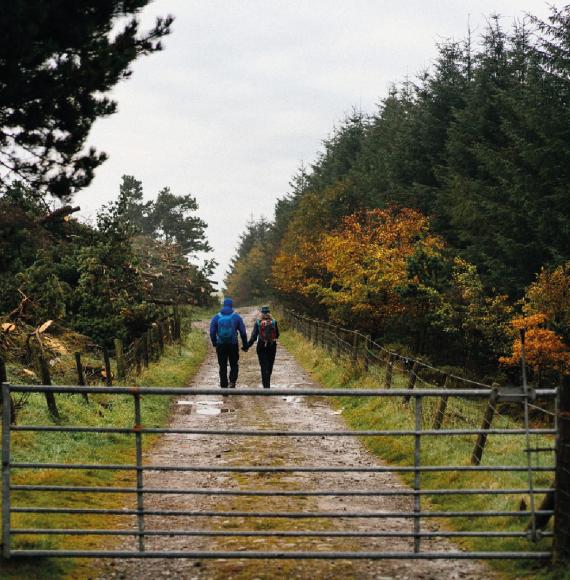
(226,332)
(267,330)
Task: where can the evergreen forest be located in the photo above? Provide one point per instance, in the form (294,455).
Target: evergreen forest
(439,224)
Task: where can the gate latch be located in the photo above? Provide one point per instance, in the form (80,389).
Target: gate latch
(516,394)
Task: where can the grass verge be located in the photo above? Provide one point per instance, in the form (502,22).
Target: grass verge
(176,368)
(392,413)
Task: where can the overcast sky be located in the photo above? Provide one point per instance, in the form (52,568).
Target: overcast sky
(246,90)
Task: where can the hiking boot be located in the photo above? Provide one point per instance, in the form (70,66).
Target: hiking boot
(232,385)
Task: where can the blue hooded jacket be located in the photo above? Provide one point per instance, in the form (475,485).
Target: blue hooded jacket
(237,324)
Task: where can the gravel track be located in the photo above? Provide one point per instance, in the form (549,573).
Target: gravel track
(280,413)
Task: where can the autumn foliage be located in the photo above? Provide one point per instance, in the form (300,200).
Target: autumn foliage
(544,349)
(357,269)
(546,323)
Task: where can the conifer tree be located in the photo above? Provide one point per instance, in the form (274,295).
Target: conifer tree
(58,60)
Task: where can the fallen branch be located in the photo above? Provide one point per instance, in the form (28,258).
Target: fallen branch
(58,214)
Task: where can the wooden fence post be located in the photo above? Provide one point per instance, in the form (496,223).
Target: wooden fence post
(160,335)
(562,478)
(166,327)
(155,351)
(412,381)
(149,344)
(120,356)
(80,375)
(354,346)
(107,361)
(487,420)
(144,344)
(389,371)
(4,379)
(138,355)
(46,381)
(178,325)
(365,345)
(442,407)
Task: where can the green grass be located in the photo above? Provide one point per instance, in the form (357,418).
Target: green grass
(176,368)
(391,413)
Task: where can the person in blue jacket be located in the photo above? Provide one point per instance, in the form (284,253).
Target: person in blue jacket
(224,328)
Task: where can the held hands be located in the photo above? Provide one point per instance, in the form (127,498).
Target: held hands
(245,348)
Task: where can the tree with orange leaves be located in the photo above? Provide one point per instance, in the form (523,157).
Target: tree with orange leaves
(544,349)
(364,262)
(550,295)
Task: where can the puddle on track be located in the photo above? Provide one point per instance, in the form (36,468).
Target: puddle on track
(209,408)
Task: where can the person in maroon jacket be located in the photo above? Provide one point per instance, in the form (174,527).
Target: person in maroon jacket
(266,333)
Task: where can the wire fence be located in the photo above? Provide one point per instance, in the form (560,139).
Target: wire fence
(392,369)
(100,364)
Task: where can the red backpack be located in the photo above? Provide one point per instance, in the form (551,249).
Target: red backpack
(267,330)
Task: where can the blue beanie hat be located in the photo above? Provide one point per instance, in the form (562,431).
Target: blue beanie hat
(228,302)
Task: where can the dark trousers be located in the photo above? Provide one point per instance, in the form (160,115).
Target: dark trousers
(228,352)
(266,356)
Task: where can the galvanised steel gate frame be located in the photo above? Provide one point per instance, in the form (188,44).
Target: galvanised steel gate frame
(416,515)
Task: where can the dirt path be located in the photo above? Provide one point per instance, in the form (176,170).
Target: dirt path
(277,413)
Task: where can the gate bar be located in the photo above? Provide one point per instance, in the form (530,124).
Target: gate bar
(417,475)
(268,433)
(140,483)
(6,420)
(481,393)
(273,469)
(289,555)
(293,515)
(272,533)
(275,493)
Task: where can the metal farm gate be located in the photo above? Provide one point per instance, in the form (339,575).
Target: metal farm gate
(417,531)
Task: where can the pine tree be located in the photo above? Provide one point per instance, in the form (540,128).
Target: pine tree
(58,60)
